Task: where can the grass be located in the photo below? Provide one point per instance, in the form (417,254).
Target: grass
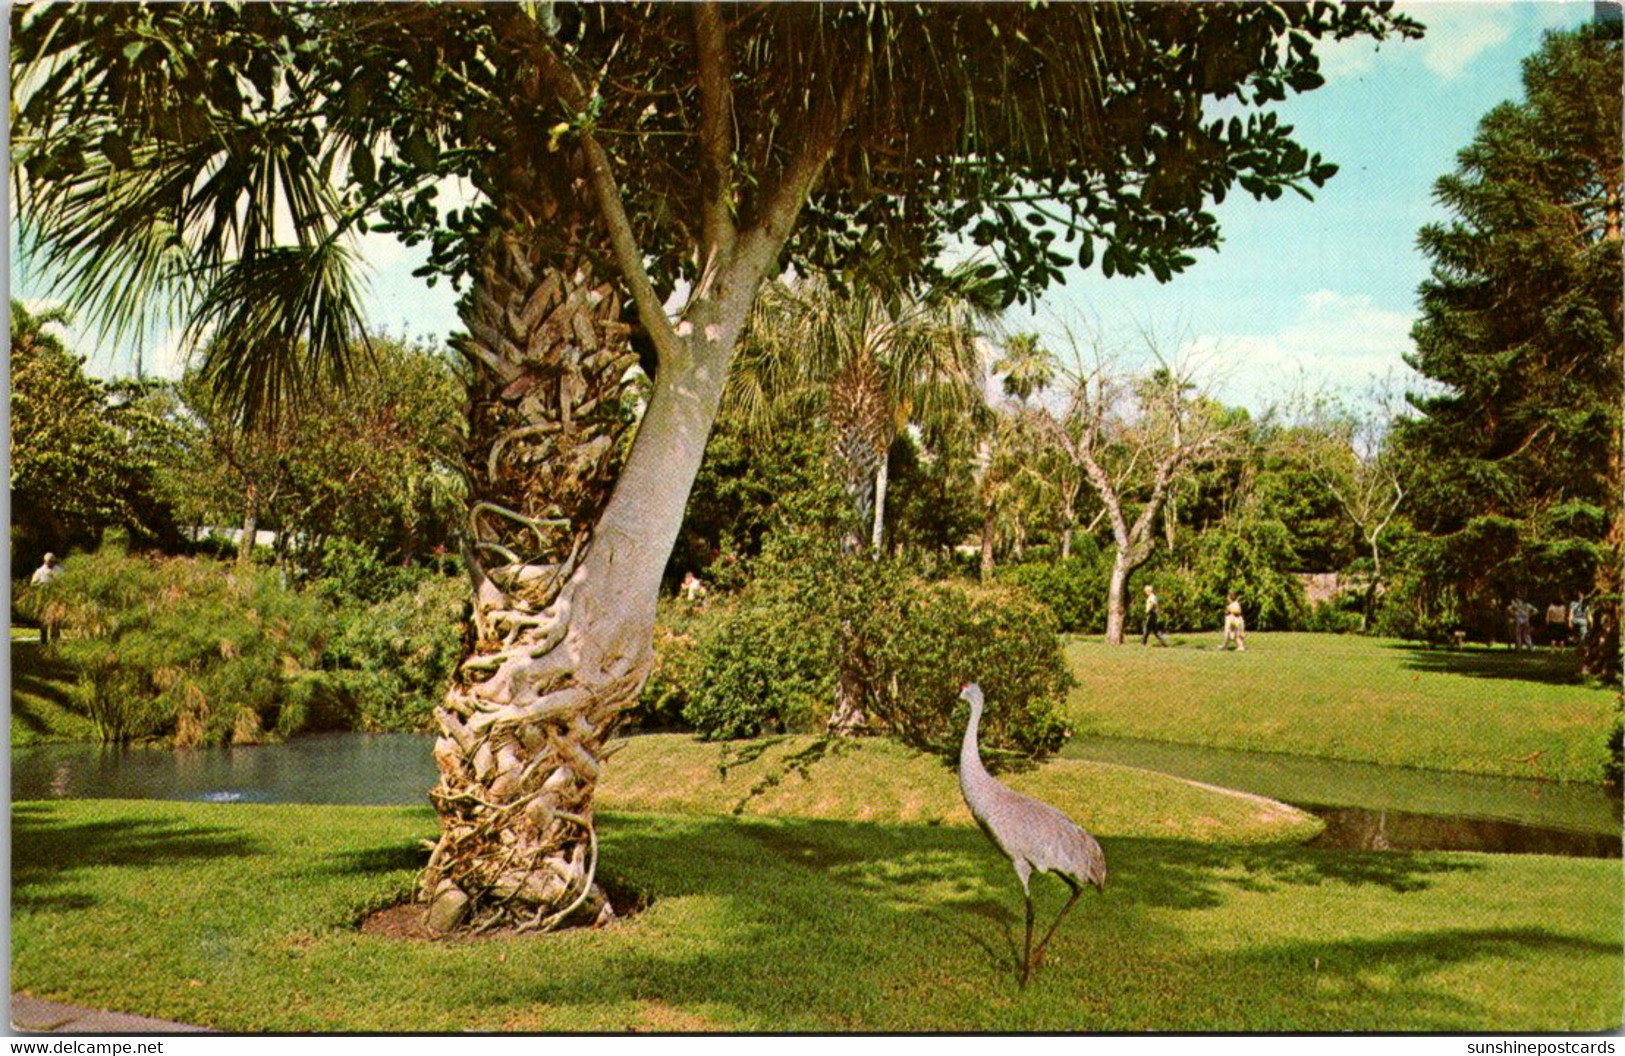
(40,697)
(241,918)
(874,780)
(850,892)
(1352,698)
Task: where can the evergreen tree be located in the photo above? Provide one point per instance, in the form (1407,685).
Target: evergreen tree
(1516,459)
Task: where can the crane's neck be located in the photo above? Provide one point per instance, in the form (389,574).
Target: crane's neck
(970,758)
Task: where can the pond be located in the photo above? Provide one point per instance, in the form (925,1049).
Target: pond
(373,769)
(1392,807)
(1364,806)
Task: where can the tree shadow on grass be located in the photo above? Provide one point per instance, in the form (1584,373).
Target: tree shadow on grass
(814,914)
(1182,875)
(1550,668)
(38,675)
(1353,983)
(47,851)
(373,860)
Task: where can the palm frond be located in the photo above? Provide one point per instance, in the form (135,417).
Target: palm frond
(155,183)
(281,321)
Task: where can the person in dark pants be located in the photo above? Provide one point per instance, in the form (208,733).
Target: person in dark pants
(1153,619)
(1557,625)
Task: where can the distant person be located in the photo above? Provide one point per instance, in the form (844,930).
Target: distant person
(1153,619)
(1579,620)
(49,571)
(1521,612)
(1235,625)
(1557,624)
(692,589)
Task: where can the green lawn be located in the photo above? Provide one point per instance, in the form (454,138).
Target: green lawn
(40,704)
(876,780)
(795,884)
(1346,697)
(241,918)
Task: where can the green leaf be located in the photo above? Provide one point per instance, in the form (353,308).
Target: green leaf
(418,151)
(362,168)
(117,150)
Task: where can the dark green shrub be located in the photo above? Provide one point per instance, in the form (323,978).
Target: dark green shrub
(1333,617)
(679,625)
(947,634)
(394,658)
(1254,559)
(772,660)
(1411,609)
(199,651)
(765,666)
(1074,589)
(349,572)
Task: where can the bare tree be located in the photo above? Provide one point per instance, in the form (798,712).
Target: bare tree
(1348,453)
(1134,437)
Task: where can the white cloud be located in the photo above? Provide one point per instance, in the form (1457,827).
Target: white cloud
(1458,31)
(1338,344)
(162,352)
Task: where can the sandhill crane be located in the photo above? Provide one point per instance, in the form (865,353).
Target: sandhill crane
(1035,836)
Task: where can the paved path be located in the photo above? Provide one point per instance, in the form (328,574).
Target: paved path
(31,1015)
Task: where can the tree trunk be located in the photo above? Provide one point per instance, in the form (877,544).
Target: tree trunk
(568,546)
(882,478)
(848,718)
(523,726)
(1371,588)
(989,519)
(1069,517)
(1601,655)
(1116,607)
(565,579)
(251,527)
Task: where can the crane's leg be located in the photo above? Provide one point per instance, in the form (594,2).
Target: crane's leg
(1024,873)
(1027,951)
(1038,958)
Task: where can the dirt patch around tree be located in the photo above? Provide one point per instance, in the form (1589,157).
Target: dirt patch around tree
(408,921)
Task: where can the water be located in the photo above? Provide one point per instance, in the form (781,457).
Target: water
(1364,806)
(1395,808)
(379,769)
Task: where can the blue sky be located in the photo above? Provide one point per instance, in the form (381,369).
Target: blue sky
(1318,295)
(1322,295)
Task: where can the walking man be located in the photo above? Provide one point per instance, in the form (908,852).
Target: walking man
(1153,619)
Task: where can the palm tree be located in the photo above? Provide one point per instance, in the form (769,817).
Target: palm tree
(1029,370)
(872,364)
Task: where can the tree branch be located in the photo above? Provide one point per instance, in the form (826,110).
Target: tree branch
(776,218)
(717,230)
(600,177)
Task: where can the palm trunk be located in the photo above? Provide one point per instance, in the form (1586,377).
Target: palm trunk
(550,664)
(568,550)
(882,478)
(989,520)
(566,567)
